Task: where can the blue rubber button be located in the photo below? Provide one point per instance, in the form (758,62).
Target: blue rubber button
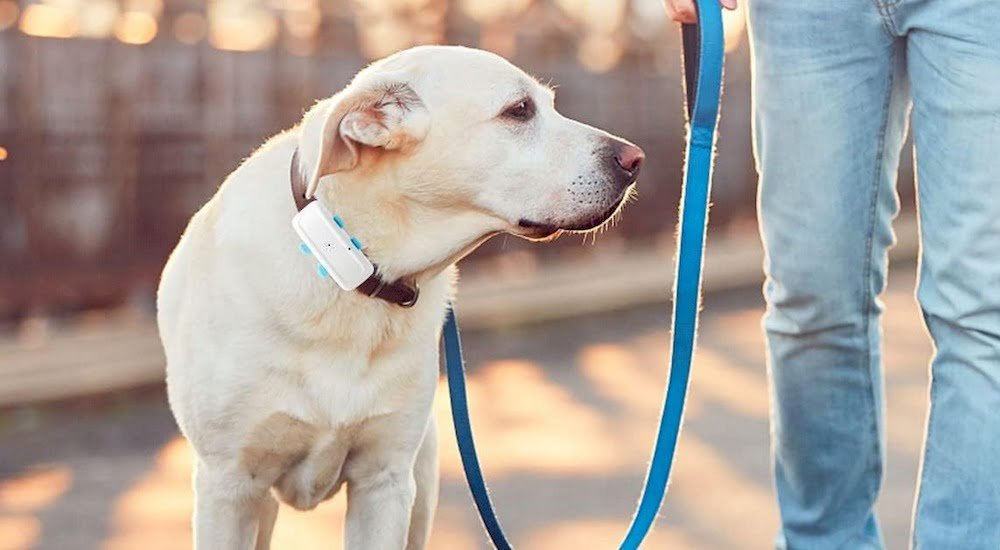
(356,242)
(338,221)
(322,270)
(304,248)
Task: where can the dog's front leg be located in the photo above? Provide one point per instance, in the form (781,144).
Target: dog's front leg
(226,512)
(267,515)
(379,507)
(426,472)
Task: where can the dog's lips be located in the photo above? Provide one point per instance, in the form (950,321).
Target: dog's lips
(541,230)
(536,230)
(597,221)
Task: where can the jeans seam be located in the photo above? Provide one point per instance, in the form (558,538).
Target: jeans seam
(868,297)
(887,4)
(885,7)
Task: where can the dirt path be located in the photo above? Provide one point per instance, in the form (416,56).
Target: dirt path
(564,413)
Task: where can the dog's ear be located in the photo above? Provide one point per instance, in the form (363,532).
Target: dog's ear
(386,114)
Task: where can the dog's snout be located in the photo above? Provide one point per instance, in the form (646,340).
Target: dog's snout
(627,162)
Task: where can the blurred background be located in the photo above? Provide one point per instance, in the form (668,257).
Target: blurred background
(119,118)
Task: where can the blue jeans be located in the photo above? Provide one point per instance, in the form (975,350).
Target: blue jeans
(834,83)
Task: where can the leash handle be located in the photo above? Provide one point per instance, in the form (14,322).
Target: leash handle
(703,48)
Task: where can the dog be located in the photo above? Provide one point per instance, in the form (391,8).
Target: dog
(288,387)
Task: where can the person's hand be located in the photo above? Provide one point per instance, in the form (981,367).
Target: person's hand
(683,11)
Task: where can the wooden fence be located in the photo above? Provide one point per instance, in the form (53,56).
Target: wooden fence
(111,147)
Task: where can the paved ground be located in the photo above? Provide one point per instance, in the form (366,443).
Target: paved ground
(564,413)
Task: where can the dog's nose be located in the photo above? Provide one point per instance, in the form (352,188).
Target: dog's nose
(629,158)
(627,162)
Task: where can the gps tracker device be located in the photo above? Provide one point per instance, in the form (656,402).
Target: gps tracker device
(339,254)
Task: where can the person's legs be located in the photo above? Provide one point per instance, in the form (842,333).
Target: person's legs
(954,61)
(830,102)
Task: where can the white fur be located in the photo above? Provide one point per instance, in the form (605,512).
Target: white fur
(284,384)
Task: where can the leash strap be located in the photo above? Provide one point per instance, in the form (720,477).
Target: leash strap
(704,113)
(703,48)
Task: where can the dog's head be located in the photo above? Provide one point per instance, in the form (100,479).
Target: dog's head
(463,133)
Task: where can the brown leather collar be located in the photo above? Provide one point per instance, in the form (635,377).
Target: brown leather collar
(402,293)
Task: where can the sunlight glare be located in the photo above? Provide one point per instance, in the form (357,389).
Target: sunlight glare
(157,507)
(19,532)
(527,423)
(48,21)
(240,28)
(598,15)
(136,27)
(715,489)
(36,488)
(599,53)
(97,19)
(488,11)
(590,533)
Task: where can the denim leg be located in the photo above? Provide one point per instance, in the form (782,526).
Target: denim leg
(830,102)
(954,61)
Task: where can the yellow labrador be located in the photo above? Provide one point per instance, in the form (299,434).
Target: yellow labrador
(288,386)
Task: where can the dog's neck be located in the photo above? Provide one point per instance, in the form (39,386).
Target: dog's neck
(406,239)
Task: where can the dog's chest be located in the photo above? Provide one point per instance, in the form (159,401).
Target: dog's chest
(302,461)
(327,380)
(344,357)
(302,450)
(344,390)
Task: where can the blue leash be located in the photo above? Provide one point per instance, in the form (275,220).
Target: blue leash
(703,47)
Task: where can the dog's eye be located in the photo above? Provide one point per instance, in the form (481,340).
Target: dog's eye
(521,111)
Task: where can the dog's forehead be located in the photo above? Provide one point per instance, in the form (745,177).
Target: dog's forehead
(444,71)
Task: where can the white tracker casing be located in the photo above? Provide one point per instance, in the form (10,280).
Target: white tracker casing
(332,247)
